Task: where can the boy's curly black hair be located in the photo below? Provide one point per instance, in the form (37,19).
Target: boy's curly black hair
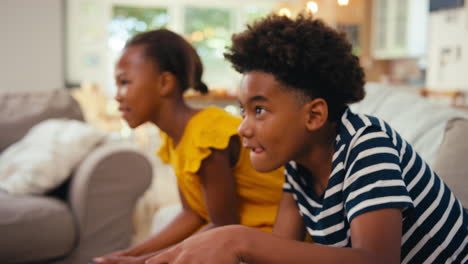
(303,54)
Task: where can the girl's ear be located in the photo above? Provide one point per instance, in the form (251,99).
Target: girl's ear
(316,114)
(167,84)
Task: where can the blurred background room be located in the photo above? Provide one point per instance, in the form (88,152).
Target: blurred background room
(416,46)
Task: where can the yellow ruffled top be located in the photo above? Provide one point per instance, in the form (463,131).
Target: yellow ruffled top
(259,193)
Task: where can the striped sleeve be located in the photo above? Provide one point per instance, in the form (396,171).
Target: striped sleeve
(373,180)
(288,171)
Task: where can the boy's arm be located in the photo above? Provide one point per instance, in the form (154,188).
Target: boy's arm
(376,239)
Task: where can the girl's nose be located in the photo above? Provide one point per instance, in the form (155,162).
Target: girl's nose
(117,97)
(121,91)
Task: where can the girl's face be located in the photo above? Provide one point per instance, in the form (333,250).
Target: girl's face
(273,125)
(137,82)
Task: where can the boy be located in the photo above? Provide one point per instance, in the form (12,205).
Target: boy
(352,183)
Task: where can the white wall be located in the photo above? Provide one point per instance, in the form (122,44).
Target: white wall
(448,49)
(31,44)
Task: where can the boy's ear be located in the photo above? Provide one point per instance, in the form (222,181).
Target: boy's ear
(167,83)
(316,114)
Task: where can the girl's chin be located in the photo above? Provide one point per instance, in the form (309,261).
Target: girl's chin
(131,123)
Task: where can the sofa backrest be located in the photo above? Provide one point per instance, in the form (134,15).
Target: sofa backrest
(21,110)
(421,122)
(451,162)
(432,129)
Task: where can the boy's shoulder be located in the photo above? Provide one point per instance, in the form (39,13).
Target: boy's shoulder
(354,125)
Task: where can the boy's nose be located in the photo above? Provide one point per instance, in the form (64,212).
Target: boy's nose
(244,129)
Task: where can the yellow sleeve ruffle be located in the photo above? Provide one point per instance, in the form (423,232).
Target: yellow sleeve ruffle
(213,130)
(164,151)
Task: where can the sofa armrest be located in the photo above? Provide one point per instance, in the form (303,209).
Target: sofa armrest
(103,193)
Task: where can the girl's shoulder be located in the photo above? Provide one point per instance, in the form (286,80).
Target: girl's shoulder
(212,127)
(209,115)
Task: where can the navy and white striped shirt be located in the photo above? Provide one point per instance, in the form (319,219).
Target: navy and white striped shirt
(374,168)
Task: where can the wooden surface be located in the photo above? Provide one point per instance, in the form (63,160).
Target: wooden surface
(457,97)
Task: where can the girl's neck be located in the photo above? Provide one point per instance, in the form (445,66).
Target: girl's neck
(175,116)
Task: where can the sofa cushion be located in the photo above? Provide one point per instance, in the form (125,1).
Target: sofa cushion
(451,163)
(23,109)
(34,228)
(417,120)
(46,156)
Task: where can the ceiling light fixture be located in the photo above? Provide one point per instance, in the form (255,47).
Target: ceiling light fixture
(284,12)
(312,7)
(343,2)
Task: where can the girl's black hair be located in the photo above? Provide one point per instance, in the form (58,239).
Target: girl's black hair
(172,53)
(304,54)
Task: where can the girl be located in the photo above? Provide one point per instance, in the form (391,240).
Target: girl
(217,184)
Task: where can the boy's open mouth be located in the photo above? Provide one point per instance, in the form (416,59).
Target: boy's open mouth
(258,150)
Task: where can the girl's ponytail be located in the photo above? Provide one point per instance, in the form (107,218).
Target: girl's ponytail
(201,87)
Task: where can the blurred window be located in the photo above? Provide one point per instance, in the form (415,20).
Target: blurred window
(255,13)
(209,30)
(129,21)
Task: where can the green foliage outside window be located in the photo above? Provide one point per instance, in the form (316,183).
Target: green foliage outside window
(209,30)
(129,21)
(254,14)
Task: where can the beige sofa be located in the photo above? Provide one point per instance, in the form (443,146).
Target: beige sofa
(90,214)
(438,132)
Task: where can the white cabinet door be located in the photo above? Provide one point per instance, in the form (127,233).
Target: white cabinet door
(399,28)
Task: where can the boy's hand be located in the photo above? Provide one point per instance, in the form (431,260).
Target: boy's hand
(212,247)
(106,258)
(120,260)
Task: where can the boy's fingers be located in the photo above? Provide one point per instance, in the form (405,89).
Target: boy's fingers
(100,260)
(107,260)
(163,258)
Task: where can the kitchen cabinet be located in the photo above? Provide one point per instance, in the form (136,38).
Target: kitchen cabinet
(399,28)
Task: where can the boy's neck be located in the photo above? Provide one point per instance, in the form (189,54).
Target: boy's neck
(318,160)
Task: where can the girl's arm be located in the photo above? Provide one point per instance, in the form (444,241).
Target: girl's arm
(289,223)
(181,227)
(219,185)
(376,238)
(219,190)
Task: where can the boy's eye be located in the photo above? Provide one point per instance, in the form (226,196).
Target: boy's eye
(242,111)
(123,82)
(259,110)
